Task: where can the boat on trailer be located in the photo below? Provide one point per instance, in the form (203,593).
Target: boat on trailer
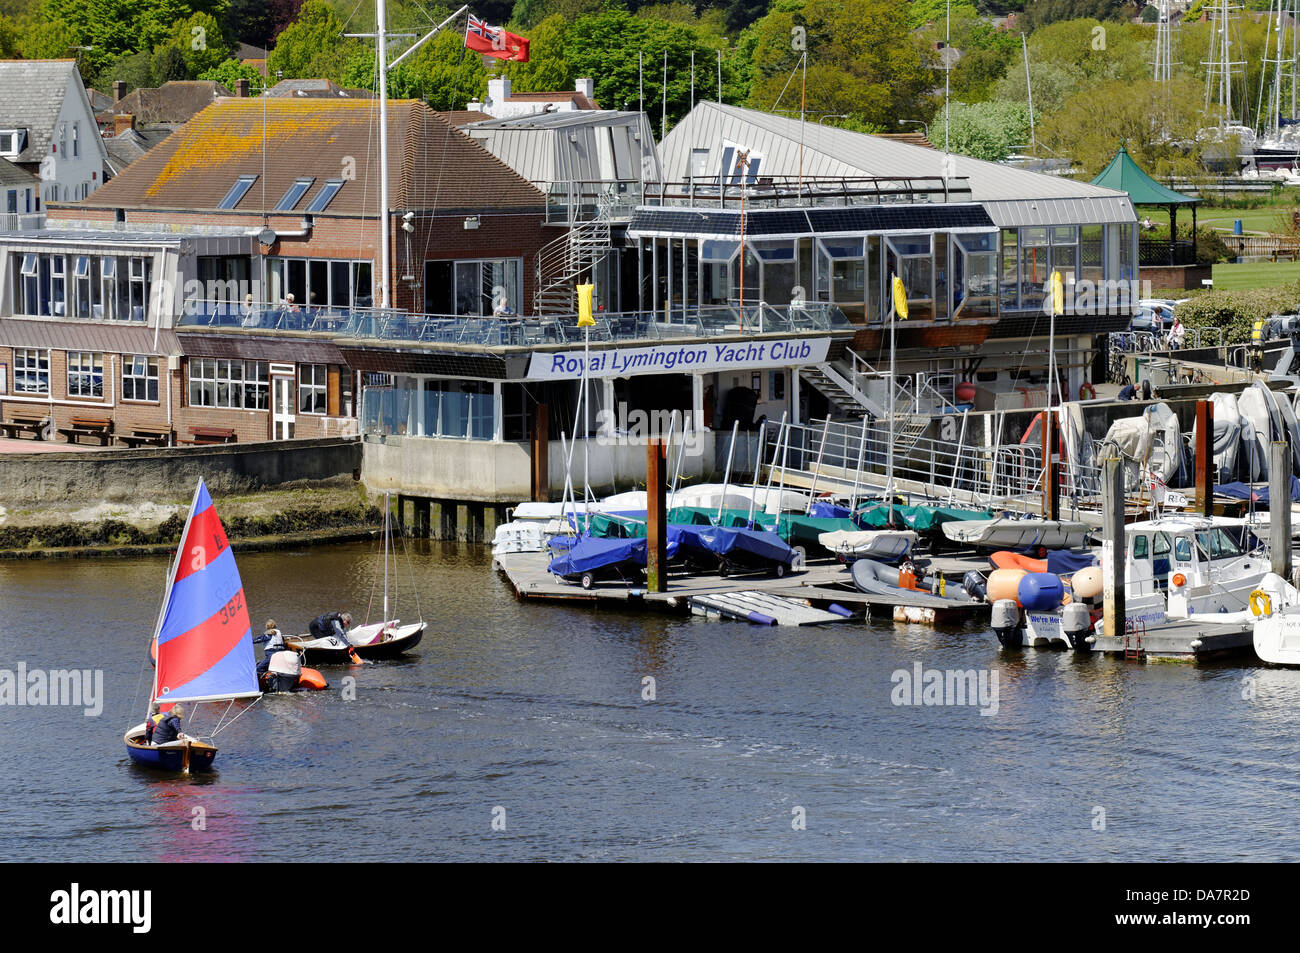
(203,636)
(1006,532)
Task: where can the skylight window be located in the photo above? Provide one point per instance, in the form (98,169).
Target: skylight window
(294,195)
(237,191)
(325,195)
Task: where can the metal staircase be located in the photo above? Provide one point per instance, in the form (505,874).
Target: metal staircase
(848,401)
(837,386)
(563,260)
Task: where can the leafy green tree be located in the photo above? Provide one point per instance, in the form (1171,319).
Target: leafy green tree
(990,130)
(8,38)
(133,69)
(442,73)
(921,12)
(548,67)
(862,61)
(229,72)
(168,64)
(1053,84)
(1156,122)
(201,43)
(116,27)
(530,12)
(313,46)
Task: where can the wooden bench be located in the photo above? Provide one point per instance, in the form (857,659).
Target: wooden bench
(211,435)
(151,436)
(20,422)
(98,427)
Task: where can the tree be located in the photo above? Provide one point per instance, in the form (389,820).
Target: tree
(116,27)
(547,67)
(863,61)
(1053,83)
(8,38)
(168,64)
(991,130)
(201,43)
(442,73)
(1156,122)
(313,47)
(921,12)
(229,72)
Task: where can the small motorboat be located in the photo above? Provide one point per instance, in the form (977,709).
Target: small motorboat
(1005,532)
(875,578)
(525,536)
(1277,627)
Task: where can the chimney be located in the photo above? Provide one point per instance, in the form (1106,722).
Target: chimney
(498,90)
(241,88)
(587,87)
(119,90)
(123,122)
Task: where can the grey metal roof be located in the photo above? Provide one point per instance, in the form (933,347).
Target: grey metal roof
(832,152)
(580,146)
(86,336)
(31,95)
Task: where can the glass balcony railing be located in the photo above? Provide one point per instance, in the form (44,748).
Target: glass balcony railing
(510,331)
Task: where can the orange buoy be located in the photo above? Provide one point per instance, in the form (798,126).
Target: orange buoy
(310,678)
(964,392)
(1005,584)
(1009,560)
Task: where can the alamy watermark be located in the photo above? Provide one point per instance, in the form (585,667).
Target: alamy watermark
(38,687)
(620,426)
(947,687)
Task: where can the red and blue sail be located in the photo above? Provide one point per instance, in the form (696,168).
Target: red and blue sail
(205,640)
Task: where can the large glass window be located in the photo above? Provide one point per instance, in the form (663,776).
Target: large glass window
(31,371)
(219,383)
(85,374)
(319,282)
(139,377)
(473,286)
(974,276)
(312,380)
(909,257)
(1035,266)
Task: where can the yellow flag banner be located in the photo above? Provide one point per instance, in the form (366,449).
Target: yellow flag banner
(585,320)
(1058,294)
(900,298)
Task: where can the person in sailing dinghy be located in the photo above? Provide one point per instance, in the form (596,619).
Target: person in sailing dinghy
(169,729)
(274,640)
(283,671)
(331,623)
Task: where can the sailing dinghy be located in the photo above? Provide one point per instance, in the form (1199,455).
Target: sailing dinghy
(203,637)
(385,639)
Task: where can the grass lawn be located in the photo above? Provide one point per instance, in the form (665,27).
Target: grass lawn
(1268,219)
(1264,274)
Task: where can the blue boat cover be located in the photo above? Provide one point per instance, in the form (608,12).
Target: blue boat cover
(590,553)
(1244,491)
(733,542)
(1064,562)
(830,511)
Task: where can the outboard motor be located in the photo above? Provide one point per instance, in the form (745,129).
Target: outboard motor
(974,585)
(1006,623)
(1076,625)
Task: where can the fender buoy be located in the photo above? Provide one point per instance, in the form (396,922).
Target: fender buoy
(1256,598)
(312,679)
(1087,391)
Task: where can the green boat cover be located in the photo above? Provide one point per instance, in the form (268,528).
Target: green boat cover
(923,519)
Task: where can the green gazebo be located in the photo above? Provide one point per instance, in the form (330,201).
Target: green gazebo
(1125,175)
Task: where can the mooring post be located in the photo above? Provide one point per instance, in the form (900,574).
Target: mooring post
(656,518)
(1279,507)
(1112,547)
(541,463)
(1051,459)
(1204,472)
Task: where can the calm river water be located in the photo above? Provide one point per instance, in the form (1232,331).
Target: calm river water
(533,715)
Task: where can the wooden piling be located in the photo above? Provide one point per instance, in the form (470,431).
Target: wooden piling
(656,518)
(540,456)
(1204,465)
(1112,547)
(1279,507)
(1051,461)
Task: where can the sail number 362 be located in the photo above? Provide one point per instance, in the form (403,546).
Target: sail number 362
(229,610)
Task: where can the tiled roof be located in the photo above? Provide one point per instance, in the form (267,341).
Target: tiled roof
(320,88)
(463,117)
(171,103)
(432,165)
(10,174)
(131,145)
(31,95)
(579,100)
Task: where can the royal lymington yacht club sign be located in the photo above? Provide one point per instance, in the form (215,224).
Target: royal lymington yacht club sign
(678,358)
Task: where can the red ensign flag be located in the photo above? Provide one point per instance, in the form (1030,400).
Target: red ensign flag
(495,41)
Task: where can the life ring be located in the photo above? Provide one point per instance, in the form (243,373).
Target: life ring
(1258,596)
(1087,391)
